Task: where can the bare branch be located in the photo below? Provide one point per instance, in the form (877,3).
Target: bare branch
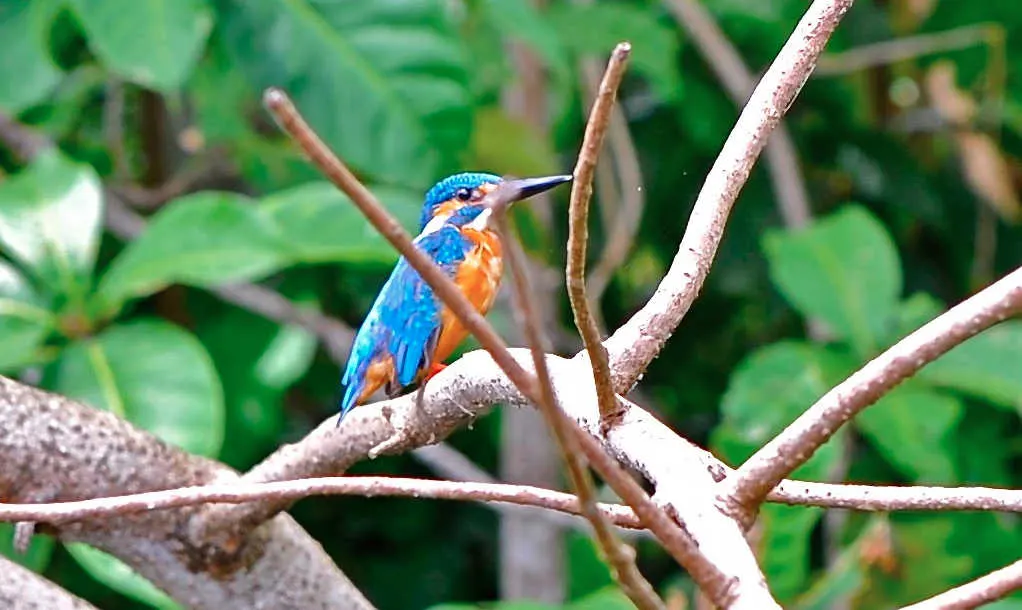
(235,493)
(578,231)
(797,443)
(634,345)
(620,557)
(23,588)
(909,47)
(24,142)
(983,590)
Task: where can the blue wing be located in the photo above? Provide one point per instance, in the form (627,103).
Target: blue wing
(405,320)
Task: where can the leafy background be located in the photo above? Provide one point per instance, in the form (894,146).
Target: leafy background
(914,208)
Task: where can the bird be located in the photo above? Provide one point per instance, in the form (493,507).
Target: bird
(409,332)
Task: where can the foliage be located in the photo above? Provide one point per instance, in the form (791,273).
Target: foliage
(410,90)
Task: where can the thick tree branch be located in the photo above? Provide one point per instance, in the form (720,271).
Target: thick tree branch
(55,449)
(797,443)
(578,231)
(983,590)
(634,345)
(20,587)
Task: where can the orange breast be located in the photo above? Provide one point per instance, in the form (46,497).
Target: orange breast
(479,278)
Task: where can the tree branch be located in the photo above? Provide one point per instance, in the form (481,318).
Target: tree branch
(55,449)
(59,513)
(797,443)
(18,585)
(620,557)
(634,345)
(578,231)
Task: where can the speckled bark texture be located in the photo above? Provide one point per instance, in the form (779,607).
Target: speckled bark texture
(22,589)
(55,449)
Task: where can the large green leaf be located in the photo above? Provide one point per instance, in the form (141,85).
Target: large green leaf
(988,366)
(843,269)
(50,220)
(913,428)
(115,574)
(25,320)
(594,29)
(257,361)
(767,391)
(154,374)
(383,82)
(322,225)
(785,547)
(27,73)
(154,43)
(202,240)
(507,145)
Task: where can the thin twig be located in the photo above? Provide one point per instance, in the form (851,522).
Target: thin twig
(578,231)
(619,556)
(236,493)
(911,47)
(797,443)
(634,345)
(983,590)
(624,195)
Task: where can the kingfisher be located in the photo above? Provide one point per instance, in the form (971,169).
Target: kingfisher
(409,332)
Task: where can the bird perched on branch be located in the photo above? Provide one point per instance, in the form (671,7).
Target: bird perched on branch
(409,332)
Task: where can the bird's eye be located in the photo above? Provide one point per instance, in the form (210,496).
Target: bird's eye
(463,194)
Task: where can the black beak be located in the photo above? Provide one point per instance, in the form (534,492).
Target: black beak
(523,188)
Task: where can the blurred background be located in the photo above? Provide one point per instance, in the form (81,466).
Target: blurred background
(159,235)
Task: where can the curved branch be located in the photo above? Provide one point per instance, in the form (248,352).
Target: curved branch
(634,345)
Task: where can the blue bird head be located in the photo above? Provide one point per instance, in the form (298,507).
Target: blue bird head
(470,187)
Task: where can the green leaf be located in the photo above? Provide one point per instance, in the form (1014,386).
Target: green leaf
(201,240)
(153,43)
(845,577)
(785,547)
(586,570)
(594,29)
(843,269)
(39,552)
(152,373)
(257,361)
(913,428)
(913,313)
(607,598)
(50,220)
(115,574)
(988,366)
(321,224)
(25,320)
(384,82)
(27,73)
(767,391)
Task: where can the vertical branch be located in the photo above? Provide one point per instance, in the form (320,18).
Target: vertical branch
(578,233)
(620,556)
